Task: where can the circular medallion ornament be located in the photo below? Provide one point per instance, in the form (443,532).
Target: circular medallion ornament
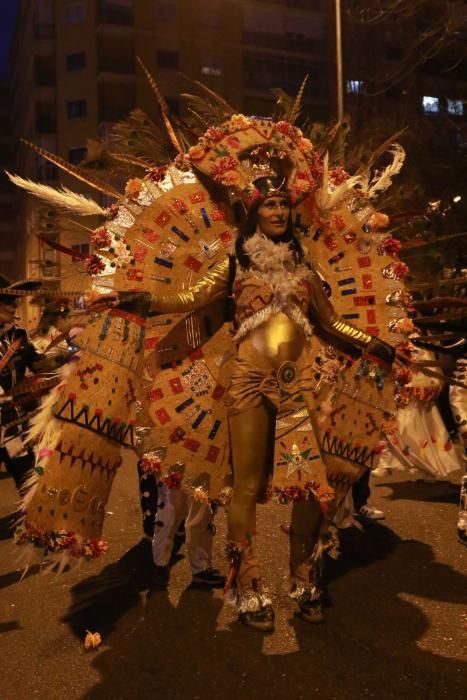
(286,374)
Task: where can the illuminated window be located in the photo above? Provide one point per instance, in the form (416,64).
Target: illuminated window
(211,69)
(430,104)
(353,87)
(455,107)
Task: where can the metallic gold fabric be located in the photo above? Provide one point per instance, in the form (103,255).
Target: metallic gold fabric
(322,313)
(211,286)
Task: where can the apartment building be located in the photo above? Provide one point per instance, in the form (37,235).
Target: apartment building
(75,73)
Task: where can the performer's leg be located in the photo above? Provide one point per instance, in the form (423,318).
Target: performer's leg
(172,507)
(20,469)
(251,434)
(199,528)
(305,557)
(462,519)
(148,500)
(361,493)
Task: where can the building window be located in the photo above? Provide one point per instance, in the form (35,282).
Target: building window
(430,104)
(82,248)
(46,171)
(211,68)
(167,59)
(76,61)
(76,108)
(353,87)
(165,11)
(455,107)
(76,155)
(74,13)
(115,12)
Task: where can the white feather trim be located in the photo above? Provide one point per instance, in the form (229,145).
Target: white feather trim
(275,264)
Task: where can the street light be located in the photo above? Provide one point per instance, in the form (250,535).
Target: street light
(339,79)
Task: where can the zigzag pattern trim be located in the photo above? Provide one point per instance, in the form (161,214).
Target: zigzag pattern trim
(120,432)
(96,463)
(334,445)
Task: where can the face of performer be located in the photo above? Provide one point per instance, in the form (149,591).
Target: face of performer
(273,216)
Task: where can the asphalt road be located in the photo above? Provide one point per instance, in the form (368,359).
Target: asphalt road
(396,623)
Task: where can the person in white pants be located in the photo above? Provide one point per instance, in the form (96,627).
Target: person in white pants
(458,401)
(173,507)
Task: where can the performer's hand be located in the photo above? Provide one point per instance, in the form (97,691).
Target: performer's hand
(104,301)
(382,353)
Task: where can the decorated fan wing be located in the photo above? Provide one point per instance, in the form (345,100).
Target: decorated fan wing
(360,265)
(167,232)
(190,371)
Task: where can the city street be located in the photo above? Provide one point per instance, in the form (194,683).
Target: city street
(396,623)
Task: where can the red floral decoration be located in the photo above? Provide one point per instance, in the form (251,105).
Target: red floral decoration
(173,480)
(391,246)
(403,376)
(338,175)
(149,465)
(101,238)
(215,134)
(157,174)
(95,265)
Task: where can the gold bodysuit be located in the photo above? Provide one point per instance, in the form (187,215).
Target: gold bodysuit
(273,323)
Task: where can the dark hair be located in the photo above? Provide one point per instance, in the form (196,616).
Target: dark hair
(248,229)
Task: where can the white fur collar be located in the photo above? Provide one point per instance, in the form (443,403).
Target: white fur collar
(275,264)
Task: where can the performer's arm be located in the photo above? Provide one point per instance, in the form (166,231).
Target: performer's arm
(325,317)
(212,286)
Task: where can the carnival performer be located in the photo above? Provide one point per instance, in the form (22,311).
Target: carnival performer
(180,518)
(458,400)
(271,351)
(18,355)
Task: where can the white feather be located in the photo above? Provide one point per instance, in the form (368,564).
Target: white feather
(381,181)
(62,198)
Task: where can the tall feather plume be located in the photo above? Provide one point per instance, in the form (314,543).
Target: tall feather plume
(132,160)
(223,104)
(164,108)
(138,137)
(382,180)
(284,103)
(210,109)
(294,113)
(73,170)
(62,198)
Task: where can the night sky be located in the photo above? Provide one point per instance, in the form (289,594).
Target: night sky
(7,24)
